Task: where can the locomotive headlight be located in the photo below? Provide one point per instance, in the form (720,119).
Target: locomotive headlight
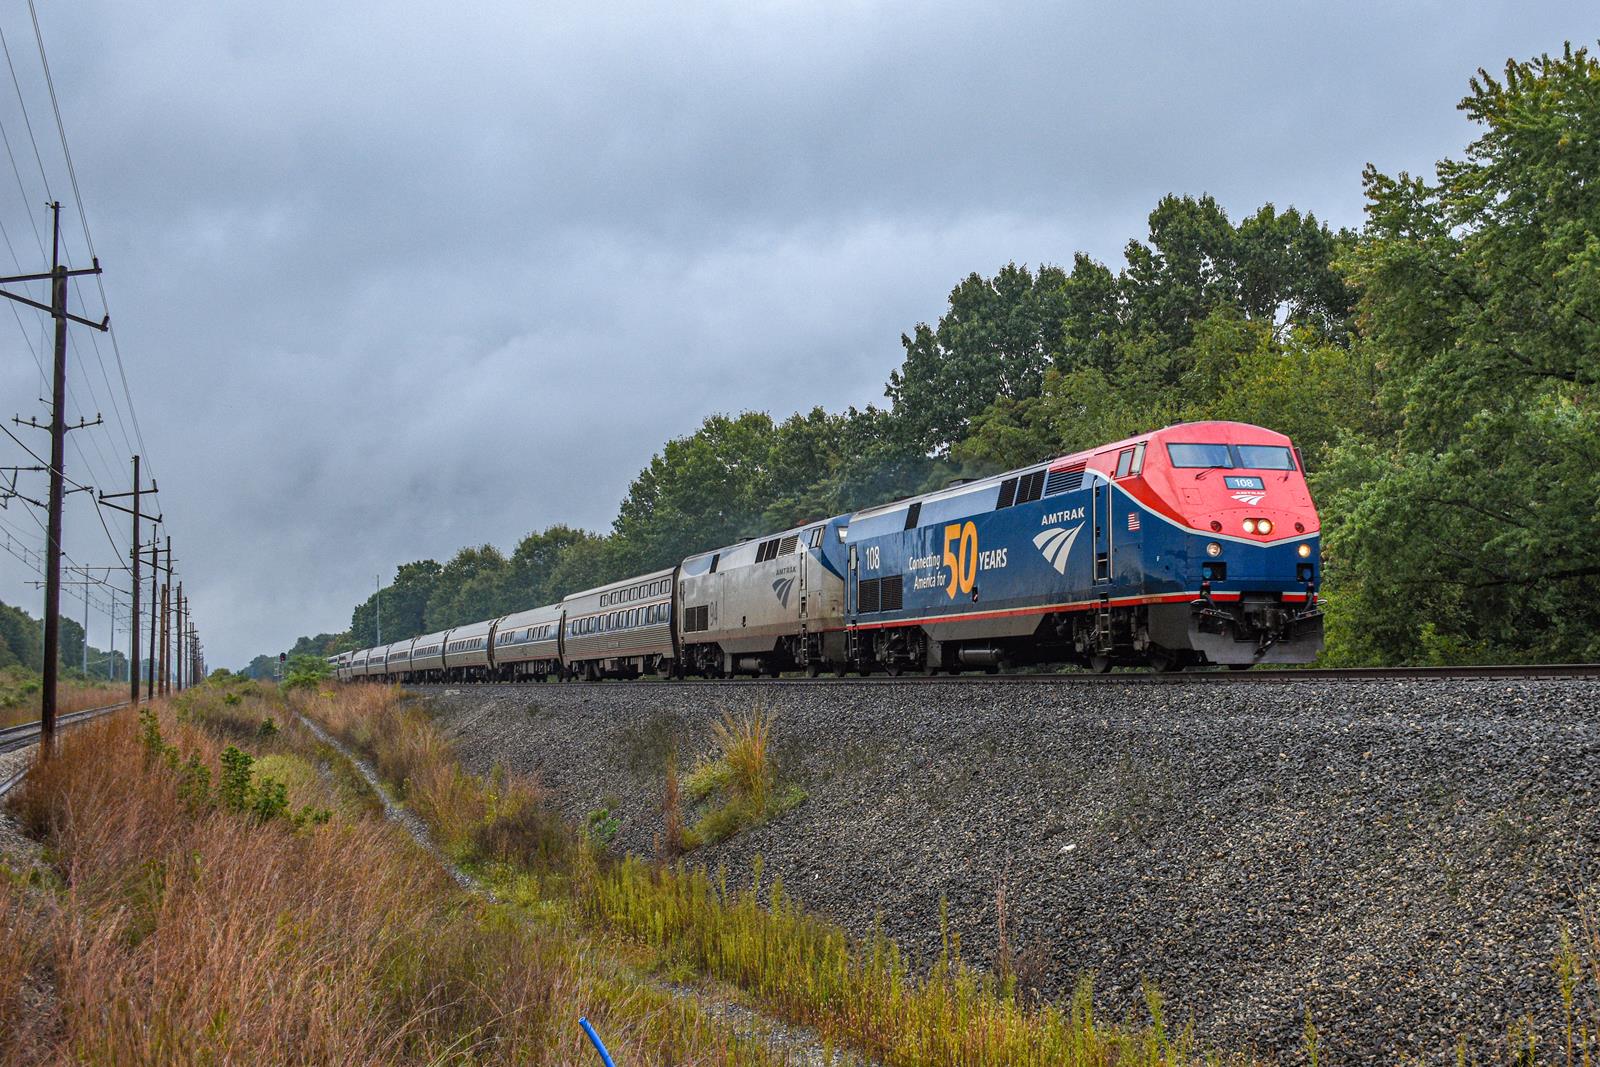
(1249,526)
(1263,526)
(1213,549)
(1304,550)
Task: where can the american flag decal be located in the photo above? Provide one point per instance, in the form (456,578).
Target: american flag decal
(1133,520)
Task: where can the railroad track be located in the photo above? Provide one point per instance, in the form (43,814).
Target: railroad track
(1522,671)
(13,738)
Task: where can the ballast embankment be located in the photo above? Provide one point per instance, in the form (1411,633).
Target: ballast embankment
(1398,859)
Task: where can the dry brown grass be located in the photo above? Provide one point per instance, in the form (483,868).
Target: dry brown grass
(185,933)
(20,707)
(503,817)
(743,740)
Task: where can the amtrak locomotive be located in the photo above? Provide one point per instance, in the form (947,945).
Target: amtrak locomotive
(1194,545)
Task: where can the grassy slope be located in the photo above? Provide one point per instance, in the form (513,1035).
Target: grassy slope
(170,928)
(687,924)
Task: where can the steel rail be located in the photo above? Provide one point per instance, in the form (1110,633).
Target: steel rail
(13,738)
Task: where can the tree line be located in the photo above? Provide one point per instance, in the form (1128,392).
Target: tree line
(1437,367)
(22,646)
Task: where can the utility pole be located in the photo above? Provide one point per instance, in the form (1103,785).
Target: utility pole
(166,625)
(108,500)
(166,607)
(155,570)
(58,447)
(178,652)
(111,653)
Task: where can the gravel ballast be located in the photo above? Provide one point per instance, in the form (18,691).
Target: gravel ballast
(1399,859)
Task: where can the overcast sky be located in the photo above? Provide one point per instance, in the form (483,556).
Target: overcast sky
(393,278)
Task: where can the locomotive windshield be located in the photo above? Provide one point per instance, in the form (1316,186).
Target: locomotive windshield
(1265,457)
(1250,457)
(1200,455)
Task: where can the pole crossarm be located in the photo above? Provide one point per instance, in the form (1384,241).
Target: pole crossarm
(106,500)
(51,274)
(81,424)
(12,494)
(103,325)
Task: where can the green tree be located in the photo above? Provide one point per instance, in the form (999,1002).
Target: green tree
(1129,351)
(404,605)
(21,638)
(467,589)
(1476,532)
(585,564)
(71,644)
(824,465)
(533,566)
(1274,268)
(698,492)
(995,339)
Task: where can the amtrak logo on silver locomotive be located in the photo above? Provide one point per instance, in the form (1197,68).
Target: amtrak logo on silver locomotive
(782,587)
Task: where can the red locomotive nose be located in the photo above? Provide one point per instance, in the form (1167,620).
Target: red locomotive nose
(1228,478)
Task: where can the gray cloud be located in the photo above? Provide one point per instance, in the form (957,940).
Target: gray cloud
(395,278)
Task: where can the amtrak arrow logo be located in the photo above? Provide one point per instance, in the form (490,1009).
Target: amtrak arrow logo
(1249,498)
(1056,544)
(782,587)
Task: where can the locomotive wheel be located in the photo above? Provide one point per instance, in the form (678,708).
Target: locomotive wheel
(1100,664)
(1240,666)
(894,670)
(813,668)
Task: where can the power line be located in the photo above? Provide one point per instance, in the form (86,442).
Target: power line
(88,236)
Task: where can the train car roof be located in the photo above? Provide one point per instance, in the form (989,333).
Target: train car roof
(665,572)
(472,629)
(793,531)
(532,615)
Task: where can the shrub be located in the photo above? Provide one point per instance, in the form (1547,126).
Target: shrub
(742,775)
(233,789)
(305,672)
(601,826)
(743,739)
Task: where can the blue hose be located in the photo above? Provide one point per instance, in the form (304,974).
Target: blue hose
(599,1046)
